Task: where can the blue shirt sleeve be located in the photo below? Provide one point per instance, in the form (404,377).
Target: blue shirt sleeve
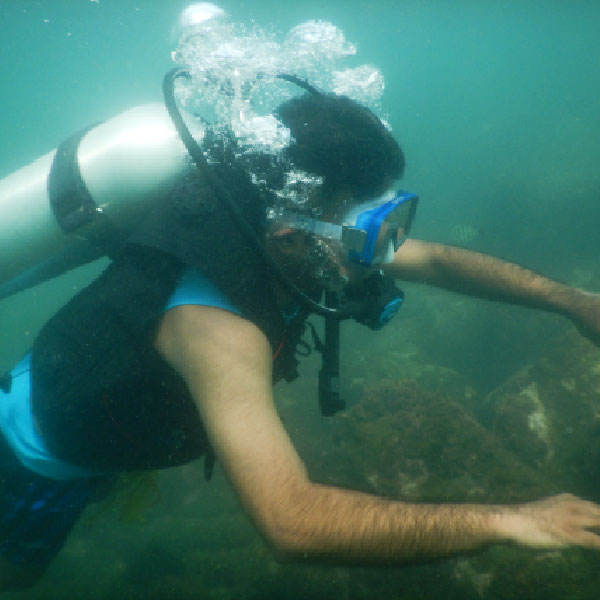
(195,288)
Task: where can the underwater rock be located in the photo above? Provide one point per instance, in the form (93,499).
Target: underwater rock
(414,444)
(549,415)
(417,445)
(419,441)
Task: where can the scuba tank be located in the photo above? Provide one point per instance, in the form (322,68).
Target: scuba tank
(63,210)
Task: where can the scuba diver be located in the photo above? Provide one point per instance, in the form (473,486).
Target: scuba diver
(172,352)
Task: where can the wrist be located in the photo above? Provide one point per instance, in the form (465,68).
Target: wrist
(506,524)
(565,300)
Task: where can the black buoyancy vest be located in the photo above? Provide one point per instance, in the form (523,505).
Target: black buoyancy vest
(102,396)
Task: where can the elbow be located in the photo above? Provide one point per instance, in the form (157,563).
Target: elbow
(289,528)
(287,540)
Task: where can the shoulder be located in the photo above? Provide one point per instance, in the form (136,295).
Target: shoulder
(193,338)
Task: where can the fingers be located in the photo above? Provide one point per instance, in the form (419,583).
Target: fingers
(579,509)
(576,503)
(586,539)
(559,521)
(572,518)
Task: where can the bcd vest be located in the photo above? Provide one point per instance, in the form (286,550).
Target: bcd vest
(101,394)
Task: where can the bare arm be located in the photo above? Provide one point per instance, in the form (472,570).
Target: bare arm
(491,278)
(227,365)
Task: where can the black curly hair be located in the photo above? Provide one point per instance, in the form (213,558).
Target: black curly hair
(343,142)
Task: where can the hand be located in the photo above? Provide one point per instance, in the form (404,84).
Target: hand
(585,313)
(555,522)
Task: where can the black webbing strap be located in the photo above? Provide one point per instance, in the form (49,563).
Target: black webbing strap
(71,201)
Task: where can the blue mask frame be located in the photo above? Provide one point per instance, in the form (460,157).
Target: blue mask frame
(371,231)
(374,230)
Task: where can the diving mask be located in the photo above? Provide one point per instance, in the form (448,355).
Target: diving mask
(370,232)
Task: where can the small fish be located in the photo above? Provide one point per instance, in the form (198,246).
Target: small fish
(463,233)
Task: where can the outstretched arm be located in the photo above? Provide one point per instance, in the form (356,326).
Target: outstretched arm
(491,278)
(226,363)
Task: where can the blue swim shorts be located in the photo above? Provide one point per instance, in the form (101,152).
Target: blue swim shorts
(37,513)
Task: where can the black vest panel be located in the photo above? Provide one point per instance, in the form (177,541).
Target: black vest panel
(102,396)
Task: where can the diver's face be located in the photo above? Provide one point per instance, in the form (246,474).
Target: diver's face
(308,262)
(311,261)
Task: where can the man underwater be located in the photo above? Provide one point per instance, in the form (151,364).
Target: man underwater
(171,354)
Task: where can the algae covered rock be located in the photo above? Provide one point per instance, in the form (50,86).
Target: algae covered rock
(414,444)
(549,415)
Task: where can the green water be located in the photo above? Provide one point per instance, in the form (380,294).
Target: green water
(495,104)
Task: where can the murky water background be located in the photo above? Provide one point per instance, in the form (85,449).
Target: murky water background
(495,105)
